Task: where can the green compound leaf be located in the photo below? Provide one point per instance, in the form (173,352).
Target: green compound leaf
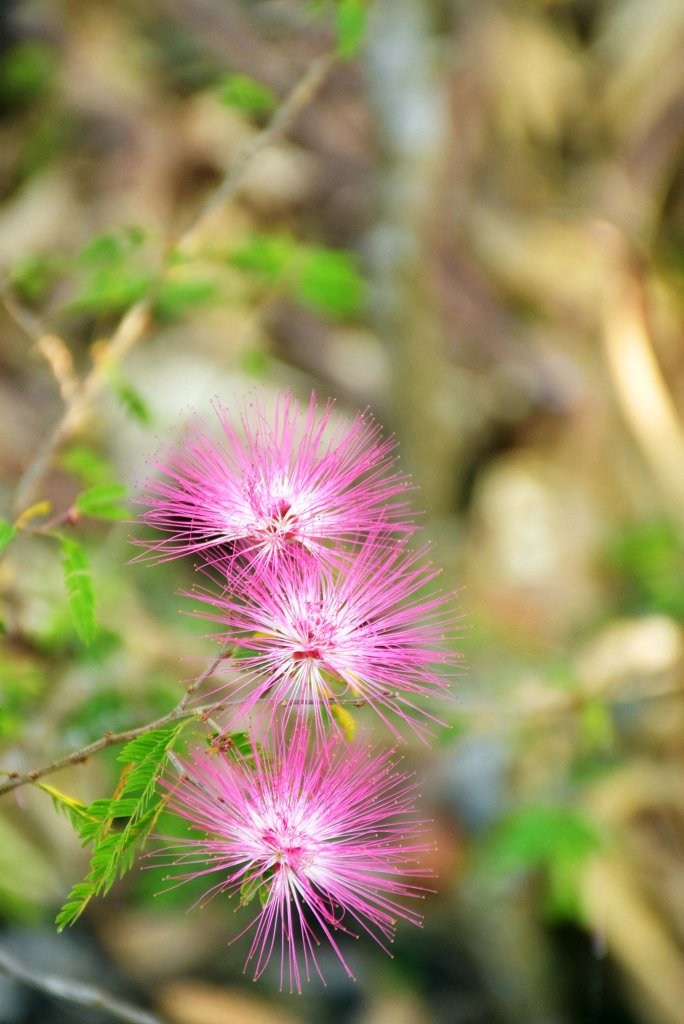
(112,273)
(103,501)
(79,588)
(103,250)
(136,803)
(244,93)
(111,249)
(350,23)
(7,532)
(240,745)
(236,745)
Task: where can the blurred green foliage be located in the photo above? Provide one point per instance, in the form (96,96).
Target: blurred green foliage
(327,280)
(33,276)
(130,398)
(27,72)
(350,23)
(254,362)
(7,532)
(555,840)
(646,563)
(79,586)
(89,466)
(245,94)
(23,683)
(103,501)
(28,879)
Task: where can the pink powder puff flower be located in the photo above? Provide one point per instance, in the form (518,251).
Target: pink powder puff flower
(324,841)
(307,635)
(290,480)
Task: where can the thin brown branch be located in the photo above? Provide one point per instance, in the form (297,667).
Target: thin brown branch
(484,712)
(76,992)
(110,739)
(299,97)
(135,321)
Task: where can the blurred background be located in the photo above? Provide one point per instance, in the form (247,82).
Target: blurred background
(474,226)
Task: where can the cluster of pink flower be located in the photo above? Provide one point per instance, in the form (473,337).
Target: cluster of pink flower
(305,528)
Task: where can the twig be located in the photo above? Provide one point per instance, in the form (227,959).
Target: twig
(294,102)
(111,739)
(135,321)
(183,710)
(131,328)
(77,992)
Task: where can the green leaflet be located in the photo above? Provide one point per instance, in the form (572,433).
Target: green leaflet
(175,297)
(75,810)
(256,885)
(119,826)
(103,501)
(130,398)
(246,94)
(351,27)
(326,280)
(87,465)
(79,588)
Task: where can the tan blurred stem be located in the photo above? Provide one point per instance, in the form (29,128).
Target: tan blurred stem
(76,992)
(640,388)
(128,333)
(135,321)
(50,345)
(556,706)
(635,936)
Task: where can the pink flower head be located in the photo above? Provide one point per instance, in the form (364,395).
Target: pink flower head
(309,635)
(323,841)
(286,481)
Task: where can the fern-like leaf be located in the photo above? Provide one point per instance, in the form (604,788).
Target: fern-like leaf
(79,588)
(118,827)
